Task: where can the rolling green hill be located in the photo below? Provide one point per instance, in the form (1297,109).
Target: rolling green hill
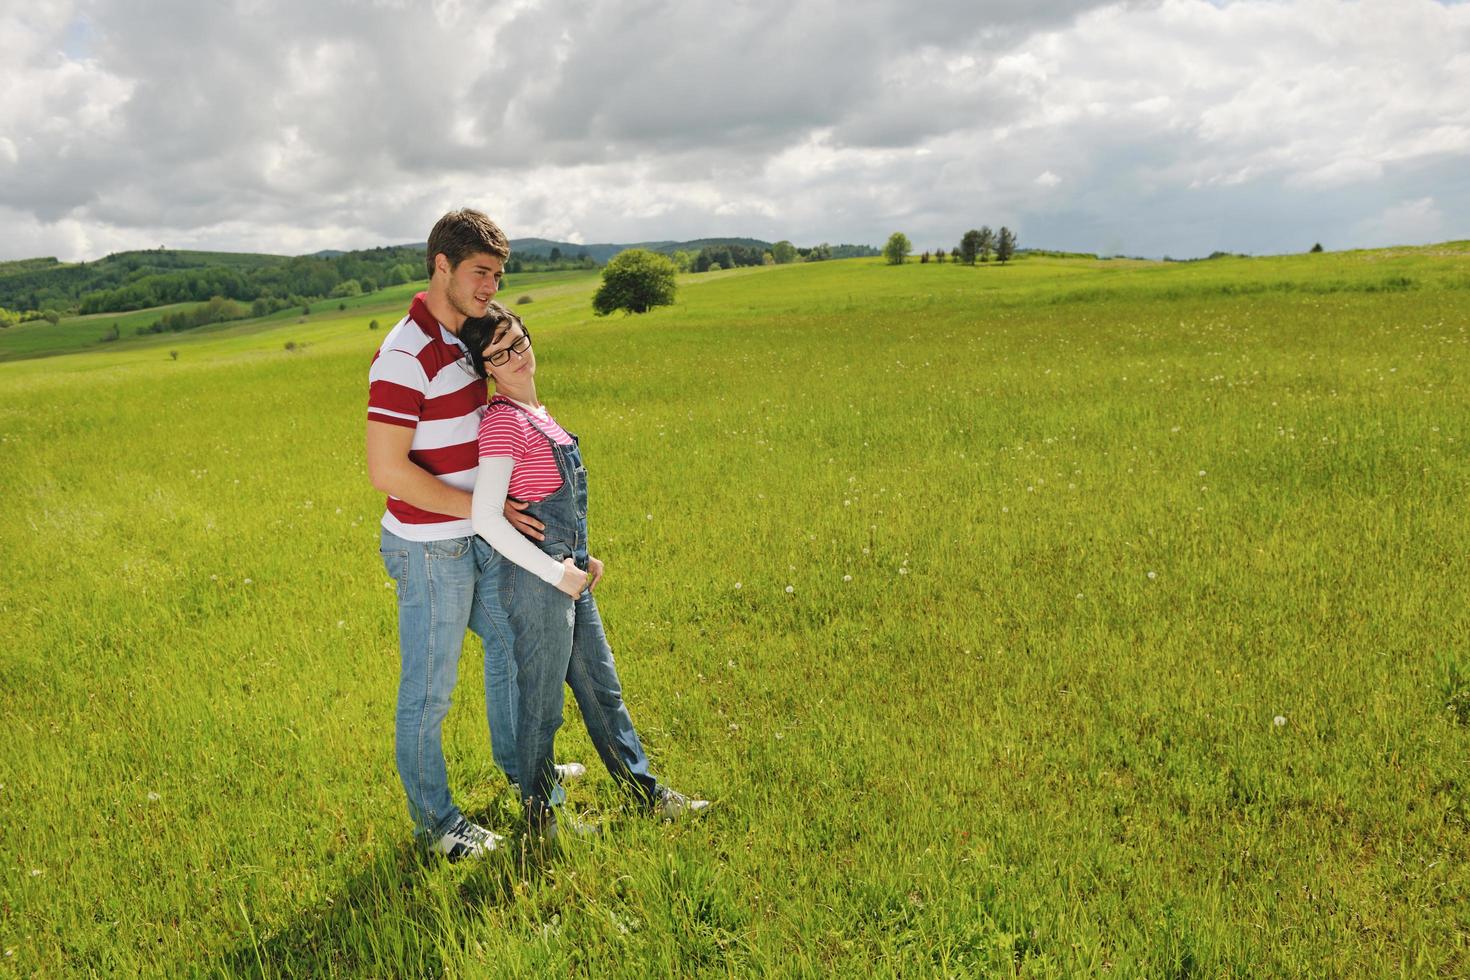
(1069,618)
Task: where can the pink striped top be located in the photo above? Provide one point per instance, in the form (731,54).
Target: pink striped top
(505,431)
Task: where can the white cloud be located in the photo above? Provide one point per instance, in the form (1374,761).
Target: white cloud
(1177,126)
(1409,222)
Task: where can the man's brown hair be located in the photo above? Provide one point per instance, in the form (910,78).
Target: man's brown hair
(460,234)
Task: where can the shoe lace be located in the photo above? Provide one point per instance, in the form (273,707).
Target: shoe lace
(472,833)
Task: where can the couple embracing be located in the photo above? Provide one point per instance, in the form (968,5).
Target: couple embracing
(486,529)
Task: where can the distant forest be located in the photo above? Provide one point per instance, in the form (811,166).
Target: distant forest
(45,287)
(138,280)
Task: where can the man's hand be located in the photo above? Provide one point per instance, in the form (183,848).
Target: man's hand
(524,523)
(594,571)
(573,579)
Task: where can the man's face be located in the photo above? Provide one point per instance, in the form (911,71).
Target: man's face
(474,282)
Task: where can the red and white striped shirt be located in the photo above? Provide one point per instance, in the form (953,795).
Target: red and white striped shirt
(507,432)
(420,380)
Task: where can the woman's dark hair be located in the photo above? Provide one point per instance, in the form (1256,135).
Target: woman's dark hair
(479,332)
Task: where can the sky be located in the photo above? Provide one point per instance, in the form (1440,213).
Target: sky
(1169,127)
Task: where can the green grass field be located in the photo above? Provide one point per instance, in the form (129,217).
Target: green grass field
(1064,619)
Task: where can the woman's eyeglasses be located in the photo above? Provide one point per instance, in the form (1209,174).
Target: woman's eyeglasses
(522,344)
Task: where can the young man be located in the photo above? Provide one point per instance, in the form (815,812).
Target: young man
(424,409)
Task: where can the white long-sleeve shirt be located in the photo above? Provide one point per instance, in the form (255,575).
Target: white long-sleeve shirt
(487,515)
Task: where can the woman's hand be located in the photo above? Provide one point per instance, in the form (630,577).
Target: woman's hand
(573,579)
(594,571)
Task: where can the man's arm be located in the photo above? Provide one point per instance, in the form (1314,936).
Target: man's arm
(395,474)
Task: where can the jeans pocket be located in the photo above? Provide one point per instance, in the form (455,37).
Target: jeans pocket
(396,562)
(449,548)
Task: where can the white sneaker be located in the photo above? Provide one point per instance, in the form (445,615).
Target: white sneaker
(672,805)
(564,771)
(466,839)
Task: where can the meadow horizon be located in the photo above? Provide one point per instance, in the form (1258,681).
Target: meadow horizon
(1059,618)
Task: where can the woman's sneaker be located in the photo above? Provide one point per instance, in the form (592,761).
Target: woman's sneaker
(466,839)
(570,770)
(672,805)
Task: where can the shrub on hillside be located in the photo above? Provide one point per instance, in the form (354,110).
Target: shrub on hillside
(636,281)
(897,248)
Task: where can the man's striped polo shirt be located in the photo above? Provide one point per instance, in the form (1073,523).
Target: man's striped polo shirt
(421,380)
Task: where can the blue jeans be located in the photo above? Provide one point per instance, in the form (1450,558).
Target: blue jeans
(559,641)
(444,587)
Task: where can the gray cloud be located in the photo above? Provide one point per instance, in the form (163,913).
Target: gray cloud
(1178,126)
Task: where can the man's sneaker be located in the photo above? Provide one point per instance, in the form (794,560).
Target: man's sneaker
(570,770)
(672,805)
(466,839)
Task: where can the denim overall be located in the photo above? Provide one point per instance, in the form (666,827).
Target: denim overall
(560,640)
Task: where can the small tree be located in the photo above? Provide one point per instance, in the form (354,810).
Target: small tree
(1005,246)
(784,252)
(986,243)
(897,249)
(1317,247)
(636,281)
(969,246)
(939,255)
(924,258)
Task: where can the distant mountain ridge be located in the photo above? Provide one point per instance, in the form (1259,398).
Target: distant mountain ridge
(602,251)
(142,278)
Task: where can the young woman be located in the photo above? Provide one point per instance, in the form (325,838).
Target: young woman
(546,586)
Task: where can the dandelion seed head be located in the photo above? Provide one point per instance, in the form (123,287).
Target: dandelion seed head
(737,585)
(1279,720)
(648,517)
(249,581)
(790,588)
(902,570)
(153,797)
(847,578)
(1153,574)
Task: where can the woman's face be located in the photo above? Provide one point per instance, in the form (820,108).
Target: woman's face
(519,365)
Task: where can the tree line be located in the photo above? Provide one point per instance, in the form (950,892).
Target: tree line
(977,244)
(139,280)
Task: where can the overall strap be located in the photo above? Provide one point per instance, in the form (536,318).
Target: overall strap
(532,419)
